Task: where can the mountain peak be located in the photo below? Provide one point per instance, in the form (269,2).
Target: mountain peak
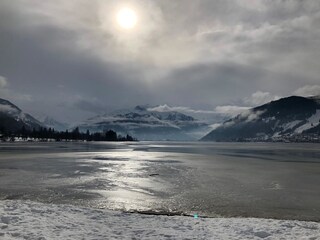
(140,108)
(147,123)
(12,118)
(7,106)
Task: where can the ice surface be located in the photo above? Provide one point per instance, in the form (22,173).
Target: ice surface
(30,220)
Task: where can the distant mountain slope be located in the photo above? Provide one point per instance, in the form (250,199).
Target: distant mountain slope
(50,122)
(146,124)
(13,119)
(286,117)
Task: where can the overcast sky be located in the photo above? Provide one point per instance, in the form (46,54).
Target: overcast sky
(71,60)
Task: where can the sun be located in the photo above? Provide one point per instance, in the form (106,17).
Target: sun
(127,18)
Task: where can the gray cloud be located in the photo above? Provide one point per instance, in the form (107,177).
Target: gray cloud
(201,54)
(3,82)
(166,108)
(231,111)
(308,90)
(260,98)
(93,106)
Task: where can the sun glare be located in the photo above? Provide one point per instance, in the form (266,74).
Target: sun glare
(127,18)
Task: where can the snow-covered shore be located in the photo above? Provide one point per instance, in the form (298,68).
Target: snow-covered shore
(30,220)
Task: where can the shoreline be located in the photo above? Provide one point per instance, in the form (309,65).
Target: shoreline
(34,220)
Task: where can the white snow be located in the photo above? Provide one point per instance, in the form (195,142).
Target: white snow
(215,126)
(30,220)
(313,121)
(290,125)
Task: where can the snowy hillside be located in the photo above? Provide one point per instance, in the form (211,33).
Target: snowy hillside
(293,118)
(13,118)
(50,122)
(146,124)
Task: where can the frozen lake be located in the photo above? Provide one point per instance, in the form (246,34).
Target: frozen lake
(270,180)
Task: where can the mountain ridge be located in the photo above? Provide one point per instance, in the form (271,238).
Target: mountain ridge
(291,118)
(146,124)
(12,118)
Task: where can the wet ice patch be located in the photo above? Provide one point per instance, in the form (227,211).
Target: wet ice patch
(274,186)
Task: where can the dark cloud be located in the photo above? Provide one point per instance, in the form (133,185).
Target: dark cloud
(68,59)
(93,106)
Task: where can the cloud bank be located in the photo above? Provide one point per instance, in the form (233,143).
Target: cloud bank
(308,91)
(203,54)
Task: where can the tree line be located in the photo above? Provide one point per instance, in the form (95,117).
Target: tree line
(74,135)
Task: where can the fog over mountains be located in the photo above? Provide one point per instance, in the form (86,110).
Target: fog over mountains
(287,119)
(142,122)
(292,118)
(148,123)
(50,122)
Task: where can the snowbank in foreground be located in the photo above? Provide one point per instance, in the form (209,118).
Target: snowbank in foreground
(29,220)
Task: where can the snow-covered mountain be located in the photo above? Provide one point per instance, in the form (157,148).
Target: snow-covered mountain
(13,118)
(50,122)
(146,124)
(291,118)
